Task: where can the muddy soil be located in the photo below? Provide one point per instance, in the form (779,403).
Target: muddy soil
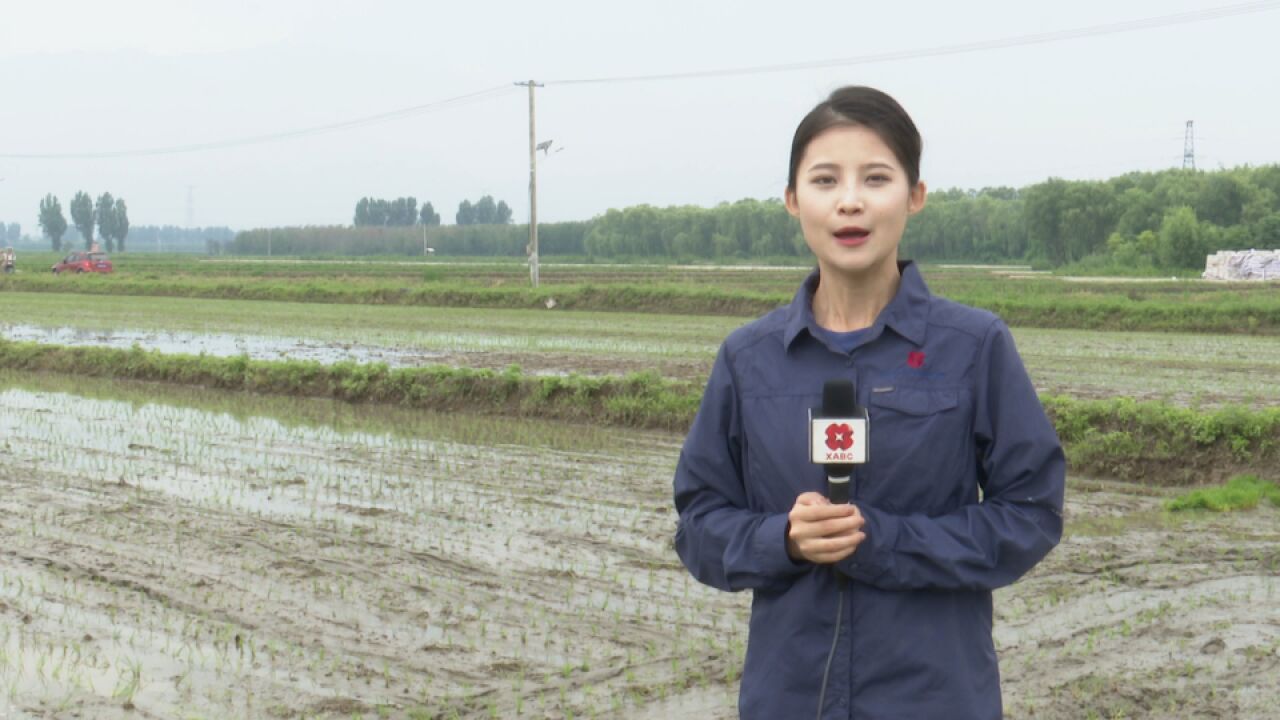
(1144,614)
(166,561)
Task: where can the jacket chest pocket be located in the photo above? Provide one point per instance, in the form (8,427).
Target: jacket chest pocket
(922,457)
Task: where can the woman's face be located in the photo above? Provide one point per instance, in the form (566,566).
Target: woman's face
(852,200)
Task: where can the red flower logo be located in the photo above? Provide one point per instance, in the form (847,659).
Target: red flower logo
(839,437)
(915,359)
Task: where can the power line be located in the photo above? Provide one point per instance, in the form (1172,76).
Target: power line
(957,49)
(497,91)
(448,103)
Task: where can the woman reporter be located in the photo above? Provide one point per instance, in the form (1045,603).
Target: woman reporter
(880,608)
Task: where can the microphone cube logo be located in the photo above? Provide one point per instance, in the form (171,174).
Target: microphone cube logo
(838,441)
(839,436)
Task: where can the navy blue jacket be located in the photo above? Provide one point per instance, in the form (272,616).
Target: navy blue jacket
(962,494)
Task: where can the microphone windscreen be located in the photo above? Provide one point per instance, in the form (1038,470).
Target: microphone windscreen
(837,398)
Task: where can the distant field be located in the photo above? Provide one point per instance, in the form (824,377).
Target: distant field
(478,271)
(1032,300)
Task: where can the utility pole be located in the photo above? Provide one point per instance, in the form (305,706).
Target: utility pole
(533,188)
(1189,148)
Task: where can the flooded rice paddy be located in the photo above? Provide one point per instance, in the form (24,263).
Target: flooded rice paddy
(184,563)
(1181,368)
(176,553)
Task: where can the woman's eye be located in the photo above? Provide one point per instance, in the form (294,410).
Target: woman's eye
(878,178)
(824,180)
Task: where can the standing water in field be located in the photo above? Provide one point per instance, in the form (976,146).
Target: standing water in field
(256,347)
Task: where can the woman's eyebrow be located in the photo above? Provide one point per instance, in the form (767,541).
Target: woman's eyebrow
(874,165)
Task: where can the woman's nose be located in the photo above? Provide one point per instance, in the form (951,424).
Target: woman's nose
(850,200)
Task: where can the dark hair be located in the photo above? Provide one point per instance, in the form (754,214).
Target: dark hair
(860,106)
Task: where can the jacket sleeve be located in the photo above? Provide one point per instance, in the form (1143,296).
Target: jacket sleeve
(1019,520)
(722,542)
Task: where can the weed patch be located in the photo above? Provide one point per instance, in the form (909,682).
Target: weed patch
(1242,492)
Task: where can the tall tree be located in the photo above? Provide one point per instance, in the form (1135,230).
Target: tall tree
(404,211)
(15,233)
(82,216)
(428,215)
(376,212)
(1043,212)
(121,222)
(466,213)
(52,221)
(105,213)
(362,213)
(503,214)
(1180,243)
(486,211)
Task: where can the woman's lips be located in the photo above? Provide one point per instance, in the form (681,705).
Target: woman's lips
(851,237)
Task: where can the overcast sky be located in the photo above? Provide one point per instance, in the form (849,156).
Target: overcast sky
(94,77)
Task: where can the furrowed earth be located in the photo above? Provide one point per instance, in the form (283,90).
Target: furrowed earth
(165,557)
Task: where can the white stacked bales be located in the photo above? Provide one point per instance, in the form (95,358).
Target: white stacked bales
(1243,265)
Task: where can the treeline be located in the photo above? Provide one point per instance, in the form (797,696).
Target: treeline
(1170,219)
(10,233)
(169,238)
(485,240)
(404,212)
(747,228)
(401,212)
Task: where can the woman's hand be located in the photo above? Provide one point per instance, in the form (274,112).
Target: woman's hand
(821,532)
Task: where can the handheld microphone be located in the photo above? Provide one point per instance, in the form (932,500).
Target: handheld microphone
(838,437)
(838,441)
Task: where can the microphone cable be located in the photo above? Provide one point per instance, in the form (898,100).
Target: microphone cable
(835,638)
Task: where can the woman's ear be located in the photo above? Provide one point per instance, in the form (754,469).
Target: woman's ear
(789,198)
(915,203)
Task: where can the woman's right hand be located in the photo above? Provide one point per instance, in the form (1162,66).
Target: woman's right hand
(821,532)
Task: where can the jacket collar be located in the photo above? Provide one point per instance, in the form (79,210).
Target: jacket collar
(906,314)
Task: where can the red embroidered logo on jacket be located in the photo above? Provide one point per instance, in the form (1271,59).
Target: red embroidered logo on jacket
(915,359)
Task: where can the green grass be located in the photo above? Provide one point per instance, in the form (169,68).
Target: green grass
(687,299)
(1157,443)
(636,400)
(1242,492)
